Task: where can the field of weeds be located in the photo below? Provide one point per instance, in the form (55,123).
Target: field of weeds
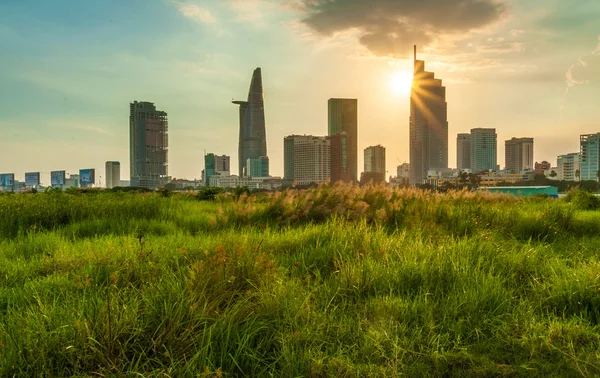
(333,281)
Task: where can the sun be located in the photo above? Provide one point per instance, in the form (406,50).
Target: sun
(401,82)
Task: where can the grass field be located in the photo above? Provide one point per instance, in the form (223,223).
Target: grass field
(333,281)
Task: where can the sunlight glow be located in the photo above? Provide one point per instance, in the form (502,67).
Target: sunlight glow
(401,82)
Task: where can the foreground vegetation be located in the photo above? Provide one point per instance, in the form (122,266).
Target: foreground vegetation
(331,281)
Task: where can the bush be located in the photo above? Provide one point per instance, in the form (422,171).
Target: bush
(130,189)
(239,191)
(583,200)
(164,192)
(208,193)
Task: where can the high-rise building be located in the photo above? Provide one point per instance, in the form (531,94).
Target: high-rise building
(339,145)
(428,123)
(258,167)
(148,145)
(343,118)
(590,156)
(375,159)
(484,155)
(518,155)
(568,166)
(215,165)
(374,165)
(306,159)
(253,137)
(113,174)
(463,151)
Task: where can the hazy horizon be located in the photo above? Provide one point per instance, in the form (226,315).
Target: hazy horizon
(71,68)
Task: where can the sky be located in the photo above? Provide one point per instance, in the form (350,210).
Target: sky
(70,68)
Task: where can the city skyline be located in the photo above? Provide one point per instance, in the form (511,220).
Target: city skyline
(76,75)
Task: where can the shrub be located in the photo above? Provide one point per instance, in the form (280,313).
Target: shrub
(239,191)
(583,200)
(208,193)
(164,192)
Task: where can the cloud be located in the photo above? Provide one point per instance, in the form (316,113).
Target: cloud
(501,48)
(570,80)
(195,12)
(392,27)
(94,129)
(597,51)
(247,10)
(254,12)
(517,32)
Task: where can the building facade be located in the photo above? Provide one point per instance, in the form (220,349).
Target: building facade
(215,165)
(541,167)
(518,155)
(343,118)
(484,155)
(374,164)
(258,167)
(339,145)
(403,170)
(253,137)
(568,166)
(463,151)
(590,156)
(428,139)
(148,145)
(113,174)
(306,159)
(254,183)
(72,181)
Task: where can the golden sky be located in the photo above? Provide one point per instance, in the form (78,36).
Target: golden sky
(528,68)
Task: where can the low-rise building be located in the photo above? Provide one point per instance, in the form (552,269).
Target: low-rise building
(233,181)
(179,184)
(72,182)
(541,167)
(553,173)
(493,178)
(525,191)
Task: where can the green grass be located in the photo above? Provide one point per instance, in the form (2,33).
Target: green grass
(333,281)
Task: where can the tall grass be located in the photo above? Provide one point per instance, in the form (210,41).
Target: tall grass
(334,281)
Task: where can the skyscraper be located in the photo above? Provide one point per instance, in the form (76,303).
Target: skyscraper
(463,151)
(215,165)
(253,138)
(428,123)
(113,174)
(306,159)
(484,155)
(343,118)
(148,145)
(590,156)
(518,154)
(374,165)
